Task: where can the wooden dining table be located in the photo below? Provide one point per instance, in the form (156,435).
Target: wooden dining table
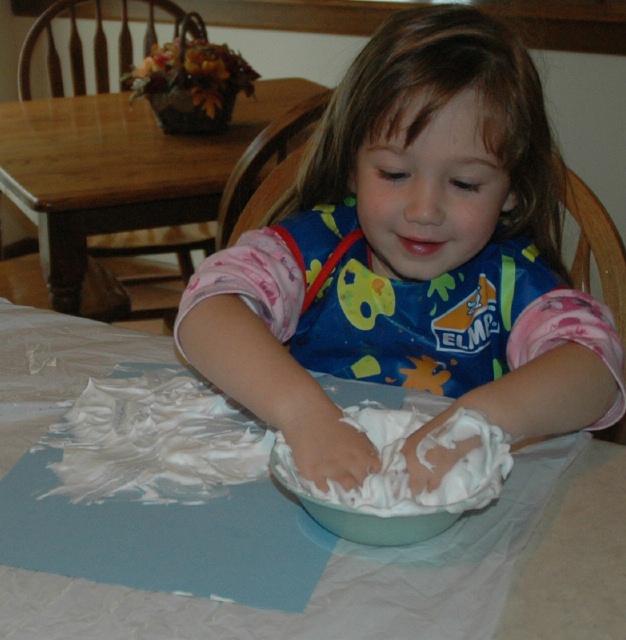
(90,165)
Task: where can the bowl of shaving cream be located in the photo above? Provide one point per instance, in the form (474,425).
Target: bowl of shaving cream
(383,511)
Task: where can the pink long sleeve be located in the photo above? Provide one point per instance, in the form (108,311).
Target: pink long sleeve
(566,315)
(262,270)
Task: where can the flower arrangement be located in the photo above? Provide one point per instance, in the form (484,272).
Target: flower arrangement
(187,76)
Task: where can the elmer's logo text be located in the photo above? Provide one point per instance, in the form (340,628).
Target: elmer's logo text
(466,328)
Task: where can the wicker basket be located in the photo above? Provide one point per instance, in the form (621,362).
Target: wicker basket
(175,112)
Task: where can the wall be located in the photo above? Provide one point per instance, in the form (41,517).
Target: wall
(585,93)
(12,32)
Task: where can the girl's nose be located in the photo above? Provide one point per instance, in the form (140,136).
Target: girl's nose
(423,205)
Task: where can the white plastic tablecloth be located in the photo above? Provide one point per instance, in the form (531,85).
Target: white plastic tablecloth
(424,591)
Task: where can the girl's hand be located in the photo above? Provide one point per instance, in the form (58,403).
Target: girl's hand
(334,450)
(242,357)
(441,459)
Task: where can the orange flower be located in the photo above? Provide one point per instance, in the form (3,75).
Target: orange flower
(209,101)
(145,68)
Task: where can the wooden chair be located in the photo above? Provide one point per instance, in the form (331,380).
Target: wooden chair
(180,240)
(598,239)
(598,242)
(259,204)
(270,148)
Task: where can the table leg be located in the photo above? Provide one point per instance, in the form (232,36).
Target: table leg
(63,251)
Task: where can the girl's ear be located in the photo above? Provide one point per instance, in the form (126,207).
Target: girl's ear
(510,202)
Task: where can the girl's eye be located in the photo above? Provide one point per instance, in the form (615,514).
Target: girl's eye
(465,186)
(392,176)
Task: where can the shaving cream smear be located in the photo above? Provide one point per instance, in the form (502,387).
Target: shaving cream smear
(158,441)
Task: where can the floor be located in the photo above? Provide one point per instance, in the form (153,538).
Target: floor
(22,282)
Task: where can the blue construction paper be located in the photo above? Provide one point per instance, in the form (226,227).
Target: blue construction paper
(255,545)
(248,546)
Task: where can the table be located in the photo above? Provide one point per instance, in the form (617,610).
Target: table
(568,582)
(97,164)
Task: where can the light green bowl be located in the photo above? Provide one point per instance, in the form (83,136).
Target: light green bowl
(366,528)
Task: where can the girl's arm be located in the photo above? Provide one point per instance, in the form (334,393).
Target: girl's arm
(564,389)
(231,346)
(566,363)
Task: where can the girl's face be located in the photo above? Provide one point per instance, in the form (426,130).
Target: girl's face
(432,206)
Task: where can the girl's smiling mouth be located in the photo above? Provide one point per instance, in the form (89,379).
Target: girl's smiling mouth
(418,247)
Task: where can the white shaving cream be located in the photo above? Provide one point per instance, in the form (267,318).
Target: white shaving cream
(165,440)
(171,441)
(473,482)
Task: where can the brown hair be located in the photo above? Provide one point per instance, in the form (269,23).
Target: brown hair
(437,55)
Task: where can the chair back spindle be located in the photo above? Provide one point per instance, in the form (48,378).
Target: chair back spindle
(54,66)
(101,54)
(151,37)
(77,69)
(125,42)
(76,58)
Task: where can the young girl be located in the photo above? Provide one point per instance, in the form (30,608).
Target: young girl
(420,247)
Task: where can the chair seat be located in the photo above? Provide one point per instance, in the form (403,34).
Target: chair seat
(156,240)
